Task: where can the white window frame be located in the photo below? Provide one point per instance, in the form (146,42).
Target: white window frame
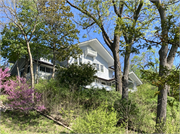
(97,67)
(80,60)
(102,68)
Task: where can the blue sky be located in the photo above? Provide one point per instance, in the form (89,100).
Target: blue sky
(92,35)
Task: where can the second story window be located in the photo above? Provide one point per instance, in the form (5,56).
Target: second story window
(97,67)
(80,60)
(94,65)
(102,68)
(76,61)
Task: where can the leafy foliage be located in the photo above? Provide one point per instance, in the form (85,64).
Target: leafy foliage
(76,75)
(99,120)
(147,61)
(60,32)
(127,110)
(20,95)
(172,79)
(13,45)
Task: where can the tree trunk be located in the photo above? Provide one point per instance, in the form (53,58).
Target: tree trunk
(162,97)
(26,67)
(18,69)
(37,71)
(54,61)
(126,73)
(31,67)
(117,64)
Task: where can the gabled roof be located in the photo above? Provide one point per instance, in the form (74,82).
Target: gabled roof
(134,77)
(102,51)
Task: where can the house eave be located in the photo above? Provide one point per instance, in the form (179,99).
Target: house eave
(133,76)
(95,44)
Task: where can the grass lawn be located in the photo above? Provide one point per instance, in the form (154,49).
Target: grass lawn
(33,123)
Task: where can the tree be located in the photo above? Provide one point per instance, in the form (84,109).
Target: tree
(133,26)
(76,76)
(146,61)
(26,16)
(96,12)
(60,32)
(168,39)
(99,14)
(13,45)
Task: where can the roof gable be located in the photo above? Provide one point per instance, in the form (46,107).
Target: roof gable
(134,77)
(101,50)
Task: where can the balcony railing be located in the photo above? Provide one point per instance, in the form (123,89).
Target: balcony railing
(90,52)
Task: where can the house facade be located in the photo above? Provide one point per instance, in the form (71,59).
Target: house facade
(94,53)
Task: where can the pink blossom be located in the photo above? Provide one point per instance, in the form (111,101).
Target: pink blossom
(20,93)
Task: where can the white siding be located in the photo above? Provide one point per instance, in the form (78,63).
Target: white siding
(97,60)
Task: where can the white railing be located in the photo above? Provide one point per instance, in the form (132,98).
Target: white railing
(90,52)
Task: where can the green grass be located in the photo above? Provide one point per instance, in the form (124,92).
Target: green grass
(70,105)
(33,123)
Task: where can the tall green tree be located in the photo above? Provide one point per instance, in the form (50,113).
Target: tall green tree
(167,36)
(122,16)
(13,45)
(133,26)
(60,32)
(96,13)
(26,16)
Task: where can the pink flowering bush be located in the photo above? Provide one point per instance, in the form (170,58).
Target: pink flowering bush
(3,75)
(20,94)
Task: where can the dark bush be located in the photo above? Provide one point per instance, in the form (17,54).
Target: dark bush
(76,76)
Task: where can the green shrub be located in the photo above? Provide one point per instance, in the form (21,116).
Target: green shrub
(4,98)
(93,97)
(172,127)
(99,120)
(75,76)
(127,112)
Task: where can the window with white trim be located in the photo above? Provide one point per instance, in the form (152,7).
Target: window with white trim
(80,60)
(97,67)
(76,60)
(102,68)
(94,65)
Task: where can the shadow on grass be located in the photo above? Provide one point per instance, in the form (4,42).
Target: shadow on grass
(31,122)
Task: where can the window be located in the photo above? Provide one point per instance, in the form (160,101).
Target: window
(103,83)
(80,60)
(94,65)
(48,70)
(76,61)
(42,69)
(51,70)
(102,69)
(97,67)
(109,83)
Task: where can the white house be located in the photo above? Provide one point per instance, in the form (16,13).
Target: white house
(94,53)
